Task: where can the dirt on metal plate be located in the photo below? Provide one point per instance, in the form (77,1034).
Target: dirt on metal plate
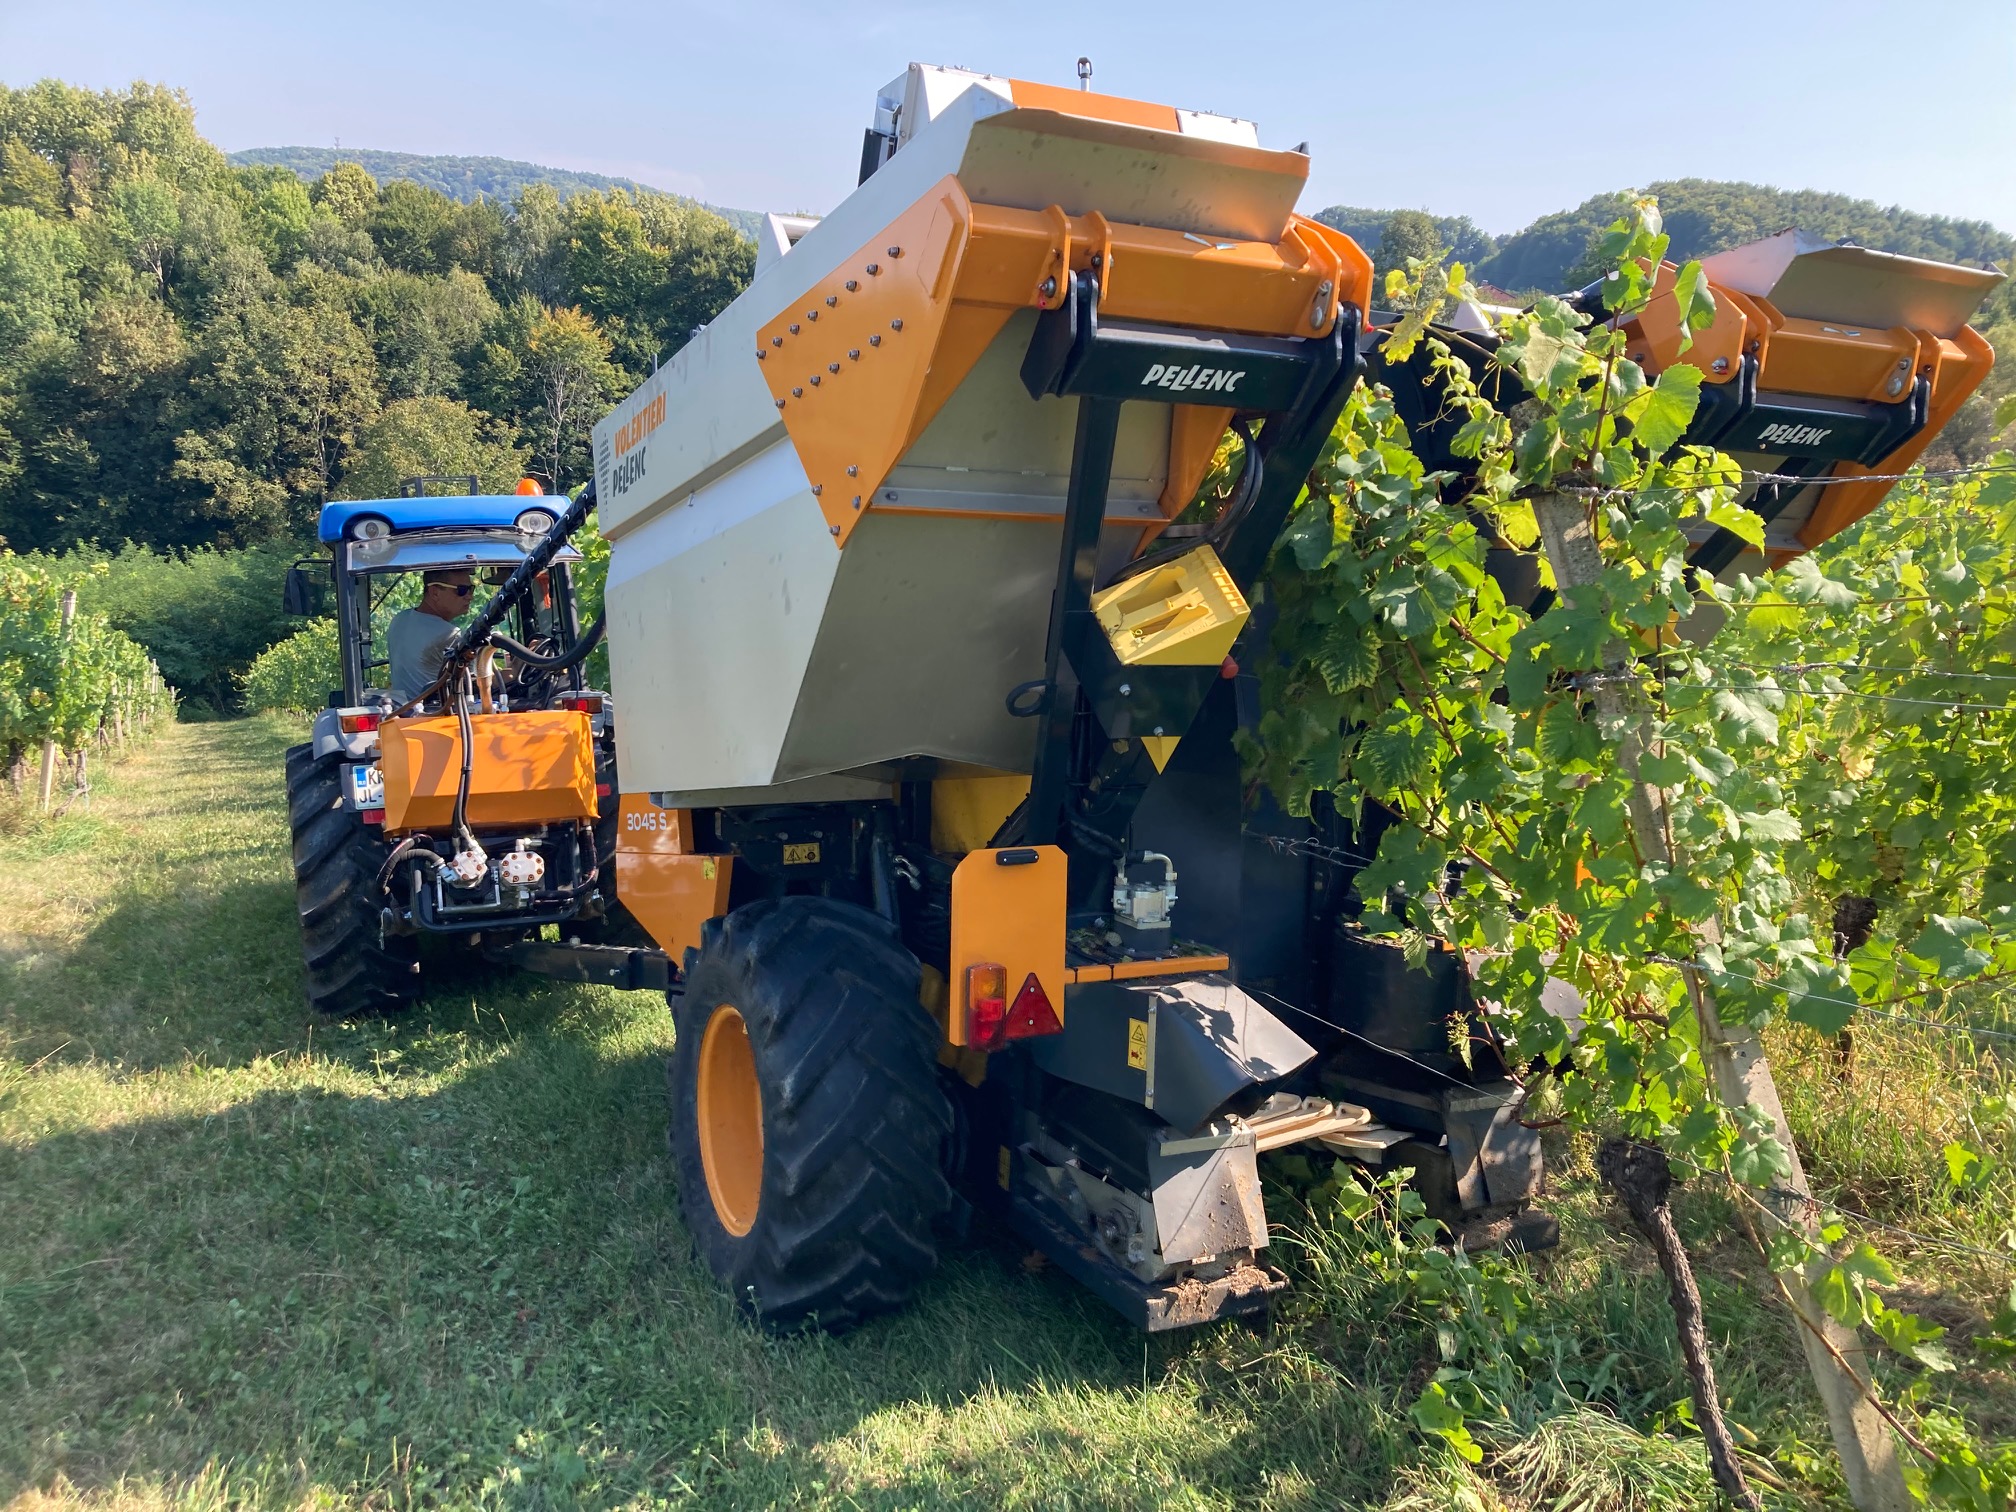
(1191,1300)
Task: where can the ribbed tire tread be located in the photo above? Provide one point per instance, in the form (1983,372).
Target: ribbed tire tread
(348,970)
(854,1120)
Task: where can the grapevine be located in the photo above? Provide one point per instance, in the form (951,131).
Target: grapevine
(1648,790)
(74,686)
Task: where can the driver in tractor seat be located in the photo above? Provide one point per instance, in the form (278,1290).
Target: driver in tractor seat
(416,637)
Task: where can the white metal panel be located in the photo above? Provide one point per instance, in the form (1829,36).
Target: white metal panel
(929,88)
(1218,128)
(778,235)
(714,606)
(1810,278)
(746,648)
(992,438)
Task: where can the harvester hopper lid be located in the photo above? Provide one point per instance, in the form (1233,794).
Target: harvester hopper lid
(1810,278)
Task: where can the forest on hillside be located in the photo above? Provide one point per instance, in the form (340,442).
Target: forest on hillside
(463,178)
(199,354)
(1701,215)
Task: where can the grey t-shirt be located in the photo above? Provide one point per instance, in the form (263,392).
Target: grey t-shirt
(414,641)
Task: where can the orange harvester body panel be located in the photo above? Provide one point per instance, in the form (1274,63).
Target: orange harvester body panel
(1813,357)
(867,358)
(1099,107)
(1010,916)
(536,767)
(666,887)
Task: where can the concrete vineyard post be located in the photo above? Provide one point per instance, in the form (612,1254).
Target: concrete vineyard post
(48,786)
(1736,1059)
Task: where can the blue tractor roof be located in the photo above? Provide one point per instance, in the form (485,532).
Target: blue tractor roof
(449,512)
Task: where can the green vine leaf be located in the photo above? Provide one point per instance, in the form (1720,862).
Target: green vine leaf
(1349,658)
(1395,753)
(1832,728)
(1952,946)
(1660,415)
(1746,716)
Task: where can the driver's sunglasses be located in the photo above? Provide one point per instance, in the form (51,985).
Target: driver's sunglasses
(460,590)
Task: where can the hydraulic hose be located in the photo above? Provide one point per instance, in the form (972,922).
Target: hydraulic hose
(467,730)
(516,586)
(566,659)
(1250,478)
(408,849)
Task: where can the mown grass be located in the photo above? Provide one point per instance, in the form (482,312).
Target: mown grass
(247,1262)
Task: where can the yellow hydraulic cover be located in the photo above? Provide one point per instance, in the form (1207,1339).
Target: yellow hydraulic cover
(536,767)
(1186,613)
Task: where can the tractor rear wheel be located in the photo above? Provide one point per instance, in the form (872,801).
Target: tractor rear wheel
(808,1125)
(352,968)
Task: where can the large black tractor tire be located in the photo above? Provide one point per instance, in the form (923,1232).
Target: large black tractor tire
(808,1124)
(351,967)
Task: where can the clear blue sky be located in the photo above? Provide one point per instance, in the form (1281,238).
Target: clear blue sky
(1494,110)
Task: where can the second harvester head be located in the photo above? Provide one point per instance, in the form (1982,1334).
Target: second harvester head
(1825,361)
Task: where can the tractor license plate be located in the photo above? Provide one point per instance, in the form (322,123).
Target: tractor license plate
(363,786)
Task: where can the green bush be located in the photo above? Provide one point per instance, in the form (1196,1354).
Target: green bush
(204,615)
(590,577)
(295,676)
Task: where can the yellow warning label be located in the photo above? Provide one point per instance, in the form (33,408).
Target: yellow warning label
(801,855)
(707,868)
(1137,1044)
(1002,1174)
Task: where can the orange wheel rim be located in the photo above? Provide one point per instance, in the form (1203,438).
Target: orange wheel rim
(730,1110)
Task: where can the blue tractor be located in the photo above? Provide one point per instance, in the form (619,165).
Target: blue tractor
(492,833)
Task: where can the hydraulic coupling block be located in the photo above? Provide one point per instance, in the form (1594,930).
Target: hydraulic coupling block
(469,867)
(1144,907)
(523,867)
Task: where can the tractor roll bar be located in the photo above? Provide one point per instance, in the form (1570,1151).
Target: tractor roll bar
(472,637)
(520,582)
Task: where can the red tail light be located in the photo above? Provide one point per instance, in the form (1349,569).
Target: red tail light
(992,1021)
(590,704)
(372,816)
(358,724)
(986,1006)
(1031,1014)
(603,790)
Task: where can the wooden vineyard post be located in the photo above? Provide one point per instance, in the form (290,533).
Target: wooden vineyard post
(1735,1057)
(49,746)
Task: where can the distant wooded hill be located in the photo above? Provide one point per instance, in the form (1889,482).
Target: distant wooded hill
(1702,216)
(461,178)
